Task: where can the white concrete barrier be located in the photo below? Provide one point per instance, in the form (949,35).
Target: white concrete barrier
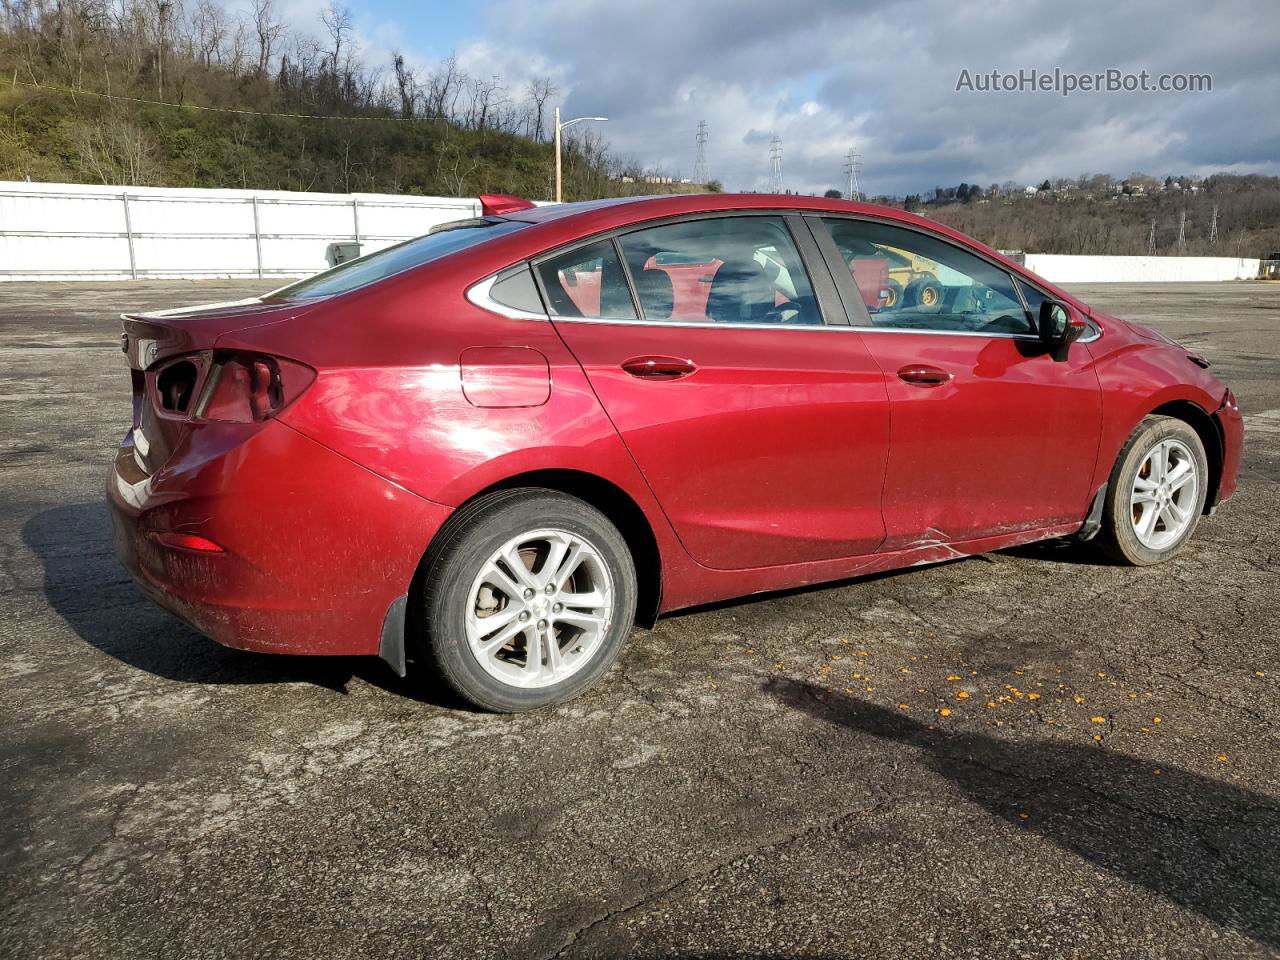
(59,231)
(56,231)
(1059,268)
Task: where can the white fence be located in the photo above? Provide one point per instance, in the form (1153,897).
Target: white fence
(1058,268)
(54,231)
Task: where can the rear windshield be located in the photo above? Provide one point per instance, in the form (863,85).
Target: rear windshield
(442,241)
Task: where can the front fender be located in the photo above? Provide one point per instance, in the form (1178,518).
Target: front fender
(1138,377)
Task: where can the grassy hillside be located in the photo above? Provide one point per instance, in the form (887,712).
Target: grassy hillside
(149,92)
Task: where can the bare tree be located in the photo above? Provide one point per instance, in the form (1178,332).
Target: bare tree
(539,91)
(209,23)
(444,86)
(115,151)
(406,85)
(268,30)
(337,21)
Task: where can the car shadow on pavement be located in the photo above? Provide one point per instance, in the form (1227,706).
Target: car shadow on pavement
(1062,550)
(1201,843)
(85,584)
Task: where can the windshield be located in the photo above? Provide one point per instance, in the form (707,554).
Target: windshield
(443,240)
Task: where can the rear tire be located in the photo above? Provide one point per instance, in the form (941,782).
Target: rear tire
(511,638)
(1156,493)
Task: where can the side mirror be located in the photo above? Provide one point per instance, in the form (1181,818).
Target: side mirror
(1059,327)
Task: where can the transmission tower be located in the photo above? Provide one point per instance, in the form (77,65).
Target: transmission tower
(1182,229)
(852,164)
(1213,226)
(775,164)
(700,165)
(1151,240)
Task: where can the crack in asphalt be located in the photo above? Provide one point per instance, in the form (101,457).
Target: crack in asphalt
(773,841)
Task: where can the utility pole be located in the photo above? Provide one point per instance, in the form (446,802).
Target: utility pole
(775,164)
(852,164)
(557,195)
(1151,240)
(1213,226)
(560,126)
(700,165)
(1182,229)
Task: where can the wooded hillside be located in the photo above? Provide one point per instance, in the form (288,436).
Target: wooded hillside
(1095,215)
(385,128)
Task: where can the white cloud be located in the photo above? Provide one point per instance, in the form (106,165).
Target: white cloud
(879,77)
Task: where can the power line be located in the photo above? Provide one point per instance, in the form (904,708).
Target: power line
(775,164)
(195,106)
(700,165)
(1213,226)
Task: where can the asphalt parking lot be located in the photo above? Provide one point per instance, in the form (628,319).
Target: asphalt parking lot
(762,779)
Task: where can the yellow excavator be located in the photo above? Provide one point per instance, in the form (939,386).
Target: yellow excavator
(913,280)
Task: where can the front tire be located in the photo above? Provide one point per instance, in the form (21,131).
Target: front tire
(529,597)
(1156,493)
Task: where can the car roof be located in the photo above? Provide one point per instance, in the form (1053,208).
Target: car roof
(592,216)
(664,205)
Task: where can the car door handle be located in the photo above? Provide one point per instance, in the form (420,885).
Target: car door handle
(923,375)
(658,368)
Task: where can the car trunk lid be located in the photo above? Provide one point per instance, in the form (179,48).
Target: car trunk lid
(170,354)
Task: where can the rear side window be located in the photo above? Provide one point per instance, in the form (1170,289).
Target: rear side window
(515,288)
(735,270)
(446,239)
(912,281)
(587,282)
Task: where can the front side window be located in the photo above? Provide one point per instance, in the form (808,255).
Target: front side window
(736,270)
(587,281)
(444,240)
(910,280)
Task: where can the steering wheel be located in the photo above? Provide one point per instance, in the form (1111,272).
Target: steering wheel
(776,313)
(1006,323)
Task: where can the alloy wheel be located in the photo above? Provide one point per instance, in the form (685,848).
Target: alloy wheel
(540,608)
(1164,495)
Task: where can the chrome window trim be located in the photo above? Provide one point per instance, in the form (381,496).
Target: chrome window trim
(951,333)
(708,325)
(479,295)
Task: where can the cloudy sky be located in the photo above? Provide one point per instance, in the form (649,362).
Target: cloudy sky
(878,77)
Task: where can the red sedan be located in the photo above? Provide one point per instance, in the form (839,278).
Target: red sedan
(488,450)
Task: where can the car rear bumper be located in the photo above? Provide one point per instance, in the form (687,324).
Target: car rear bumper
(314,548)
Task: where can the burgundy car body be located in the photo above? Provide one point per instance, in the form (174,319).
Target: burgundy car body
(776,458)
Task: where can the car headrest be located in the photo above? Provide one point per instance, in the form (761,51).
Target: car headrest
(656,292)
(615,295)
(740,293)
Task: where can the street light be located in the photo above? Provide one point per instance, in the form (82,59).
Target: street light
(560,126)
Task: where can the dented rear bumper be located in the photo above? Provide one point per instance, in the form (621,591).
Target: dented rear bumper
(311,549)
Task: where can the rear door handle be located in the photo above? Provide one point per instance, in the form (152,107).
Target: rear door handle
(658,368)
(923,375)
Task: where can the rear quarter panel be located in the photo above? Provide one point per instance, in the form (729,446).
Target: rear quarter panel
(389,394)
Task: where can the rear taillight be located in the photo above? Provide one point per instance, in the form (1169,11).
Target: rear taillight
(243,388)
